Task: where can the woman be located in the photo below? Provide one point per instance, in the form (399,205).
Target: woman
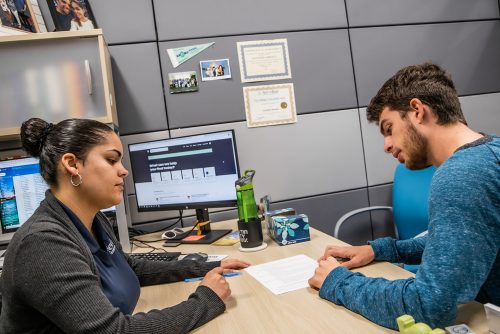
(64,269)
(220,70)
(80,20)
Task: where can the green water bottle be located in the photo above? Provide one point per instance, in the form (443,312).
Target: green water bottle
(247,208)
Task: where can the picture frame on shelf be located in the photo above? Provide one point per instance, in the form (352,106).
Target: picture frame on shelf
(37,16)
(71,15)
(19,15)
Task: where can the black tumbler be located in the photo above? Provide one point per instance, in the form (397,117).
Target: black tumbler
(250,233)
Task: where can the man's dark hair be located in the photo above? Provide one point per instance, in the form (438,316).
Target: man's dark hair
(49,142)
(427,82)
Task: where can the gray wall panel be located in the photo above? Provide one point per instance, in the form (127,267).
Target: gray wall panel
(319,85)
(139,96)
(125,21)
(324,211)
(369,12)
(192,19)
(482,112)
(382,222)
(302,159)
(380,166)
(469,51)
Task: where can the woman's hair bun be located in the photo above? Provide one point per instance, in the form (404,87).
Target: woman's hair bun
(33,134)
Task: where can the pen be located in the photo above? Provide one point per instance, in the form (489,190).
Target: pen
(229,274)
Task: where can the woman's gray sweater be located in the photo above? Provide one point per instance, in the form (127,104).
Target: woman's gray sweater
(50,284)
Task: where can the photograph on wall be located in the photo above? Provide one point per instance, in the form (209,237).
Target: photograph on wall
(217,69)
(182,82)
(71,15)
(18,14)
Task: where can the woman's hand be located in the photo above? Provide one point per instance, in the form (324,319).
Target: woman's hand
(234,264)
(215,281)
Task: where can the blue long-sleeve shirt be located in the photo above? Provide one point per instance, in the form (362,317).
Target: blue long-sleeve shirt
(460,256)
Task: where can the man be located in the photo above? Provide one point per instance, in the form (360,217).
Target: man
(420,117)
(63,15)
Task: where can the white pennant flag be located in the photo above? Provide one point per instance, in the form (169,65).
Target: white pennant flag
(180,55)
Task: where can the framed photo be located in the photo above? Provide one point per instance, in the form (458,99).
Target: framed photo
(182,82)
(37,16)
(18,14)
(71,15)
(217,69)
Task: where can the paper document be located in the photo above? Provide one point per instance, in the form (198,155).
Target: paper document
(213,257)
(288,274)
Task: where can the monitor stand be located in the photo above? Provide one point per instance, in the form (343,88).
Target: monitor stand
(208,234)
(208,237)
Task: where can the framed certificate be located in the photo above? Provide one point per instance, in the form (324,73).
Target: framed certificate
(269,105)
(264,60)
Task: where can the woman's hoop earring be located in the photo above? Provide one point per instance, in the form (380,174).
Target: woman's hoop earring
(80,179)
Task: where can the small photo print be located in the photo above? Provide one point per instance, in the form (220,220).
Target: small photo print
(182,82)
(215,69)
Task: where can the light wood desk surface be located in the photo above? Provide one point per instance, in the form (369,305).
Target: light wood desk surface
(254,309)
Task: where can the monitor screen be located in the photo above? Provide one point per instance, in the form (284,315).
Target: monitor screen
(191,172)
(22,188)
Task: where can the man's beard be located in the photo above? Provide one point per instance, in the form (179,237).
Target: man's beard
(417,149)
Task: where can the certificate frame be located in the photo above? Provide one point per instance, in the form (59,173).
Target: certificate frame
(264,60)
(270,105)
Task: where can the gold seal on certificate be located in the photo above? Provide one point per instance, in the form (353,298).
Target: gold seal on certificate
(269,105)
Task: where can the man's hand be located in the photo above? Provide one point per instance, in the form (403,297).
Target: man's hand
(234,264)
(320,274)
(355,256)
(215,281)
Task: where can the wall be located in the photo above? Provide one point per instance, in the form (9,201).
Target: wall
(340,53)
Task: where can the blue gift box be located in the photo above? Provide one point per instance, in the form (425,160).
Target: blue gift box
(279,212)
(286,230)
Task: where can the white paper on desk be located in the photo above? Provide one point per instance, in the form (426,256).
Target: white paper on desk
(214,257)
(285,275)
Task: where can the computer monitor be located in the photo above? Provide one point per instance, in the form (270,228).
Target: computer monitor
(192,172)
(22,188)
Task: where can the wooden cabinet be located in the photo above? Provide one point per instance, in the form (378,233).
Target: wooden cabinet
(55,76)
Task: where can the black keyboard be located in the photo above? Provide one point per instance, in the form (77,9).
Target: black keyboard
(162,256)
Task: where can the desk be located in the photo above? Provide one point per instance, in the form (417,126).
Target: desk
(254,309)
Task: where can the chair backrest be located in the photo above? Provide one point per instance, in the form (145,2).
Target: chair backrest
(410,197)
